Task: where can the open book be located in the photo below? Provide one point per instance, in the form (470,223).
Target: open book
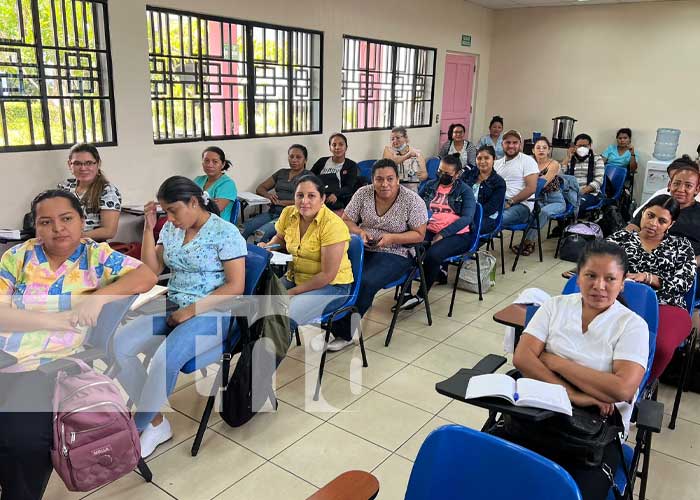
(145,298)
(521,392)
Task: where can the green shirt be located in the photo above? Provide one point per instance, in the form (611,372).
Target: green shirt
(224,188)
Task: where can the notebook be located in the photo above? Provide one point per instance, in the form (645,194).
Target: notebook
(252,198)
(10,234)
(524,392)
(145,298)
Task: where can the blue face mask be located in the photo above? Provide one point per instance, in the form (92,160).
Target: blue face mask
(402,148)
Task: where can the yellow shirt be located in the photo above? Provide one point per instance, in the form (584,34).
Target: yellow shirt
(326,229)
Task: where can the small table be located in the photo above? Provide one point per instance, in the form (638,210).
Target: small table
(351,485)
(514,316)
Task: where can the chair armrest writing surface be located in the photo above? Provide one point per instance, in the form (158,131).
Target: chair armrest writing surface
(490,363)
(513,315)
(351,485)
(455,387)
(648,415)
(65,364)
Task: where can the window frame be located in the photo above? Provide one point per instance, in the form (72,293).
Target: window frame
(394,48)
(38,47)
(250,64)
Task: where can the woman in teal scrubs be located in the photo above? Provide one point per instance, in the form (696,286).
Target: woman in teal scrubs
(220,186)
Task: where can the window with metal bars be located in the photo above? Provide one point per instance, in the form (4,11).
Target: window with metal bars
(386,84)
(55,74)
(220,78)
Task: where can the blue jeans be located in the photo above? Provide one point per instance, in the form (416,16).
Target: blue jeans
(517,214)
(451,246)
(307,306)
(379,269)
(553,204)
(150,387)
(264,222)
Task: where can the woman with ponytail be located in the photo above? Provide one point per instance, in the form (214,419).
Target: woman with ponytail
(99,198)
(205,256)
(220,186)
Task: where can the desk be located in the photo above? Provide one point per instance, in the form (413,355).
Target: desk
(351,485)
(514,316)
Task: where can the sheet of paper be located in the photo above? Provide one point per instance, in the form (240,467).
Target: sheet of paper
(280,259)
(252,198)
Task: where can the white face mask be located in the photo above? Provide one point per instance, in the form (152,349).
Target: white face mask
(582,151)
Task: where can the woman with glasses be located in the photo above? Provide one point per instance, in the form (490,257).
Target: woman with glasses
(458,145)
(220,186)
(99,198)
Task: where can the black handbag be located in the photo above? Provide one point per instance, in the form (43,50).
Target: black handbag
(579,439)
(572,246)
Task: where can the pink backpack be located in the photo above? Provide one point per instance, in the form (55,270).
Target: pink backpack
(95,440)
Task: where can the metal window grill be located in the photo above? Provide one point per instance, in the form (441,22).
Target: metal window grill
(385,84)
(55,74)
(214,78)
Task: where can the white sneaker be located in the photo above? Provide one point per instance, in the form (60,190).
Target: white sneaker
(339,344)
(318,341)
(152,436)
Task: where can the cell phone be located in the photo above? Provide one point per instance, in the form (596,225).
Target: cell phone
(373,242)
(273,247)
(6,359)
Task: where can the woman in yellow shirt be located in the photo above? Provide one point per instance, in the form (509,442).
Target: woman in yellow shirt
(320,277)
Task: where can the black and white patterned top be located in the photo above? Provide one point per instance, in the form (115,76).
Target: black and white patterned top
(407,213)
(673,261)
(110,199)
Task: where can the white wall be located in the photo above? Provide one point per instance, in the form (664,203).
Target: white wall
(137,166)
(609,66)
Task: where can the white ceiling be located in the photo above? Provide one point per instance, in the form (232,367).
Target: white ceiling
(514,4)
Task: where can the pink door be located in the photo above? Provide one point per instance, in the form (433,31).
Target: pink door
(457,91)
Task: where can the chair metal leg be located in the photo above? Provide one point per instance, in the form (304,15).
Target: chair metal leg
(503,257)
(362,344)
(645,468)
(399,303)
(683,380)
(539,238)
(520,250)
(204,421)
(454,288)
(478,275)
(512,234)
(145,470)
(296,333)
(549,229)
(323,361)
(423,287)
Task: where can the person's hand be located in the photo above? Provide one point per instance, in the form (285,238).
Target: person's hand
(583,400)
(586,189)
(262,244)
(274,199)
(362,234)
(61,321)
(386,240)
(571,151)
(638,277)
(437,238)
(180,316)
(412,153)
(150,215)
(631,148)
(331,198)
(86,311)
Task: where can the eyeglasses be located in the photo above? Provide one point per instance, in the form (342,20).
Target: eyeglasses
(83,163)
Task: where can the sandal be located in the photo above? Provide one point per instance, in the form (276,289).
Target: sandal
(568,274)
(528,248)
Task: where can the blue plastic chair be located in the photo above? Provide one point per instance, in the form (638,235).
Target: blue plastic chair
(641,299)
(497,233)
(432,167)
(457,463)
(458,260)
(616,177)
(365,168)
(356,254)
(687,349)
(235,212)
(256,262)
(599,204)
(532,223)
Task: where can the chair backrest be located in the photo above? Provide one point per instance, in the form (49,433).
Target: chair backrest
(499,220)
(356,254)
(541,181)
(455,463)
(255,264)
(365,168)
(475,228)
(616,176)
(641,299)
(432,166)
(235,212)
(108,321)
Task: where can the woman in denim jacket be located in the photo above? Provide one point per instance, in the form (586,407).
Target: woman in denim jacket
(451,205)
(488,187)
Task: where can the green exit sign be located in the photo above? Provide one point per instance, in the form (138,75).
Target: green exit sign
(466,40)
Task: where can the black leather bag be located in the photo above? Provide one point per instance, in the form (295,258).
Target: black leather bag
(580,439)
(611,220)
(572,246)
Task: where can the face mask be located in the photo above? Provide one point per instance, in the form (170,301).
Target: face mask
(446,179)
(582,151)
(399,149)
